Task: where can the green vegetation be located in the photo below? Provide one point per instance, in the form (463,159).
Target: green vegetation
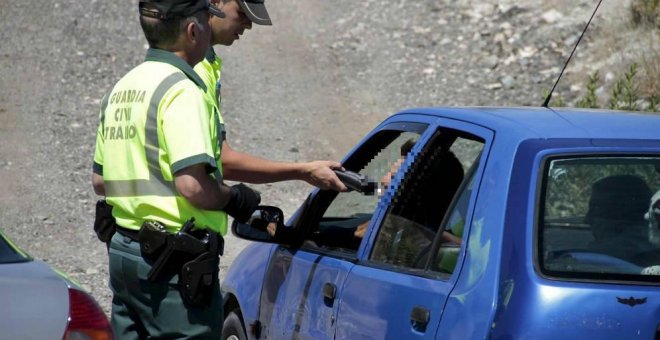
(590,100)
(638,88)
(626,91)
(625,94)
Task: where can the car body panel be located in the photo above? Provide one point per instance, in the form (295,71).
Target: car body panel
(244,278)
(385,312)
(300,308)
(598,310)
(497,290)
(32,294)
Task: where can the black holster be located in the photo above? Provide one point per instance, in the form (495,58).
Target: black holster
(104,223)
(194,255)
(153,239)
(198,278)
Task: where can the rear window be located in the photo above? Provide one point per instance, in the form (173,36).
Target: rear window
(10,253)
(599,218)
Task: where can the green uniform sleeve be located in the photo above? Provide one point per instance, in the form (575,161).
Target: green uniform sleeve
(186,128)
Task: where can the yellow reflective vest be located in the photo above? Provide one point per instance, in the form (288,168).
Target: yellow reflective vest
(209,70)
(155,121)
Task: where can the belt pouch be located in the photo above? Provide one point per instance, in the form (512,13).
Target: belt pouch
(104,223)
(197,280)
(153,238)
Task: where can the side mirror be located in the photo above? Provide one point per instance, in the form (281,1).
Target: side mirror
(266,225)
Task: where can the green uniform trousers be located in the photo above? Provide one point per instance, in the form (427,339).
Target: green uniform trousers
(154,310)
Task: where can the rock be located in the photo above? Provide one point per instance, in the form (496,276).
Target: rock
(552,16)
(527,52)
(609,76)
(570,41)
(509,10)
(481,10)
(508,82)
(429,71)
(490,61)
(493,86)
(421,30)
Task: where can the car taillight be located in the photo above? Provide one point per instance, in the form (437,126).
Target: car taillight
(86,319)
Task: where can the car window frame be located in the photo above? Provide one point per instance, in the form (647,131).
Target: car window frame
(487,135)
(542,162)
(318,201)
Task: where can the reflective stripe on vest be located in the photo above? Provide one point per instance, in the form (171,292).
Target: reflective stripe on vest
(104,105)
(156,185)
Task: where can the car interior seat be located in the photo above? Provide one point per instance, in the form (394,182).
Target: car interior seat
(616,215)
(618,198)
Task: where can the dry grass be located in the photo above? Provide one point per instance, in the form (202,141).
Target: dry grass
(615,42)
(650,63)
(645,12)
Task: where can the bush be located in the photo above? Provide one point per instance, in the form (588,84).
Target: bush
(590,100)
(626,94)
(645,12)
(626,91)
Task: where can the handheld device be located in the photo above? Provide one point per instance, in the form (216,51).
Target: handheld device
(357,182)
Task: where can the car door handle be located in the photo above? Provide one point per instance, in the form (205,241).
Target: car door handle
(329,291)
(419,318)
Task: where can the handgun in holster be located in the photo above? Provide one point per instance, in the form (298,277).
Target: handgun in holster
(196,258)
(158,245)
(104,223)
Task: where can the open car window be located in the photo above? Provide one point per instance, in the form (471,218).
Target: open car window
(423,229)
(339,221)
(599,218)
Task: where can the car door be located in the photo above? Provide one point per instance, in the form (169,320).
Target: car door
(398,288)
(299,298)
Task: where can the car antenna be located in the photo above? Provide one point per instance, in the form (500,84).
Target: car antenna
(547,99)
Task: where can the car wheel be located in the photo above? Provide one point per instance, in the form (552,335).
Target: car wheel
(232,328)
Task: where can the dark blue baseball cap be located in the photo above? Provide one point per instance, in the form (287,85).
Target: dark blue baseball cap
(168,9)
(256,11)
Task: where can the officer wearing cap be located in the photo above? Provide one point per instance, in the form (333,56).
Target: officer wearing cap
(157,160)
(238,16)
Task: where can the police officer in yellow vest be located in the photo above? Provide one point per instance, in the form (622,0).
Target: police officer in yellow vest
(238,17)
(158,162)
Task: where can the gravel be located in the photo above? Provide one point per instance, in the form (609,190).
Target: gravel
(307,88)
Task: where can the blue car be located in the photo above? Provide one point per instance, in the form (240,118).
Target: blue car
(466,223)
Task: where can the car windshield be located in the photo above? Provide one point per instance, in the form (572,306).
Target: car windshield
(10,253)
(599,218)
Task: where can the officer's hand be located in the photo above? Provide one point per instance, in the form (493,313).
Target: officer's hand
(320,174)
(242,203)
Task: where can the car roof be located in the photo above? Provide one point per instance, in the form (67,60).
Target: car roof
(533,122)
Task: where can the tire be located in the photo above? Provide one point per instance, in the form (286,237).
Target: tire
(232,328)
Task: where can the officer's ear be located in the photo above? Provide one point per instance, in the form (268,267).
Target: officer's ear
(192,31)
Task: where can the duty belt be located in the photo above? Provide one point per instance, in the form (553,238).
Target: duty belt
(131,234)
(158,245)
